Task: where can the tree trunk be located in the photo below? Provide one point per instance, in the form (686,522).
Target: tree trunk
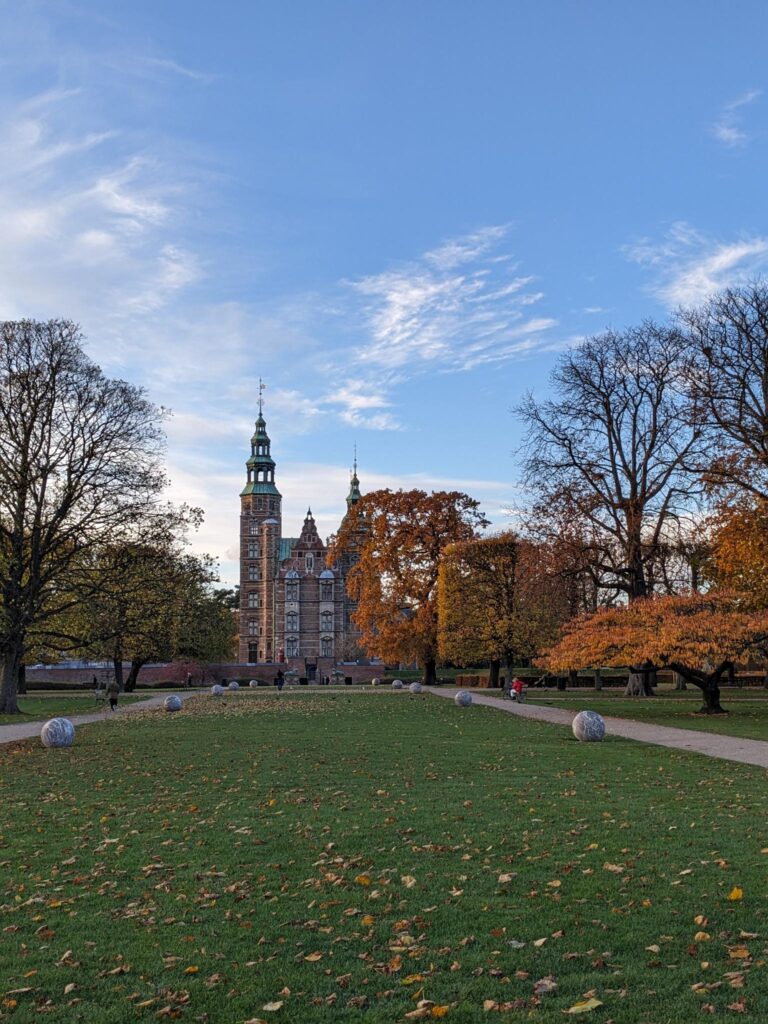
(21,683)
(430,672)
(732,681)
(493,675)
(133,674)
(573,679)
(708,683)
(678,681)
(642,679)
(598,679)
(9,704)
(118,664)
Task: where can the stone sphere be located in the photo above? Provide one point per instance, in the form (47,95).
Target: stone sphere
(172,703)
(588,727)
(233,685)
(415,687)
(57,732)
(253,683)
(462,699)
(397,684)
(374,682)
(217,689)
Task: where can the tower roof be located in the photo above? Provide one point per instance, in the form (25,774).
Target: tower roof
(261,465)
(354,485)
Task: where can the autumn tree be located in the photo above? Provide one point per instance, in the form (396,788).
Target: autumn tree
(728,377)
(396,539)
(156,603)
(498,600)
(696,635)
(617,441)
(79,467)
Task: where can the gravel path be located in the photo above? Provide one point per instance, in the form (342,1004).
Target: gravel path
(29,730)
(730,748)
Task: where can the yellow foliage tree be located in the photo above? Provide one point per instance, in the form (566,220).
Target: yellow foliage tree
(498,601)
(696,635)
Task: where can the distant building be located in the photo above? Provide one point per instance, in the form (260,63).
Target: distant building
(294,607)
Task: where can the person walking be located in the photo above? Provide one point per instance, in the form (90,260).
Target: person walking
(113,692)
(517,690)
(279,680)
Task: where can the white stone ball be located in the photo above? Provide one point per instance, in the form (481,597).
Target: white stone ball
(588,727)
(397,684)
(217,689)
(463,699)
(233,685)
(57,732)
(253,683)
(172,703)
(415,687)
(374,682)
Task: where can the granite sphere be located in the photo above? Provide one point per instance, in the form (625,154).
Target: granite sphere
(463,699)
(233,685)
(397,684)
(172,703)
(253,683)
(415,687)
(57,732)
(374,682)
(217,689)
(588,727)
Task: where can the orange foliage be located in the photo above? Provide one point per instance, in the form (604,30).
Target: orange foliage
(395,540)
(693,630)
(740,549)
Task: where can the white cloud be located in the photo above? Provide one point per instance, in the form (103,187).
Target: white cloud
(729,125)
(688,266)
(459,306)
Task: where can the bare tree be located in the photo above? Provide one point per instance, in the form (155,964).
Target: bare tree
(79,467)
(729,378)
(616,445)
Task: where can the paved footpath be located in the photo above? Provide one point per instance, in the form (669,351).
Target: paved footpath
(29,730)
(730,748)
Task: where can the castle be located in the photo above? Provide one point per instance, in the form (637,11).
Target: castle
(294,609)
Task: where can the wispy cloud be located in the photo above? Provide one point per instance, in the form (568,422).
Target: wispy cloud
(729,125)
(687,265)
(458,306)
(172,67)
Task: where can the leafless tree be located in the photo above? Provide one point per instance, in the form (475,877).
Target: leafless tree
(79,467)
(615,446)
(729,378)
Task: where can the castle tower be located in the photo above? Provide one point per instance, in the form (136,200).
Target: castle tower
(260,532)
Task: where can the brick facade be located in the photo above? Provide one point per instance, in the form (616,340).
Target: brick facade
(294,608)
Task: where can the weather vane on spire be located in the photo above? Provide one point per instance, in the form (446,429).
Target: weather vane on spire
(262,385)
(355,462)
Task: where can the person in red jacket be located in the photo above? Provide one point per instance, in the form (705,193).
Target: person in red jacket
(517,690)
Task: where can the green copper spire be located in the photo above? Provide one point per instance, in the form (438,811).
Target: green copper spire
(261,465)
(354,485)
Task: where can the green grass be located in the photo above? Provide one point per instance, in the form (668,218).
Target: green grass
(348,854)
(36,706)
(747,710)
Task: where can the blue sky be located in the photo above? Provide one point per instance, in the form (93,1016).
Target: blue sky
(396,213)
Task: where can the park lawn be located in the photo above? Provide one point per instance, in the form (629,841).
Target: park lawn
(747,710)
(320,857)
(48,705)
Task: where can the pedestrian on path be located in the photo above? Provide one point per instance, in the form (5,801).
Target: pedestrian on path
(113,692)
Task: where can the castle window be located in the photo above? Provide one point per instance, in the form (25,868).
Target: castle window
(308,561)
(253,572)
(253,627)
(253,653)
(292,621)
(292,590)
(253,599)
(326,647)
(326,591)
(253,549)
(260,503)
(326,621)
(292,647)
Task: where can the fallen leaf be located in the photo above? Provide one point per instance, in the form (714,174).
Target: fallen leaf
(585,1006)
(191,969)
(312,958)
(544,986)
(273,1007)
(736,894)
(363,879)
